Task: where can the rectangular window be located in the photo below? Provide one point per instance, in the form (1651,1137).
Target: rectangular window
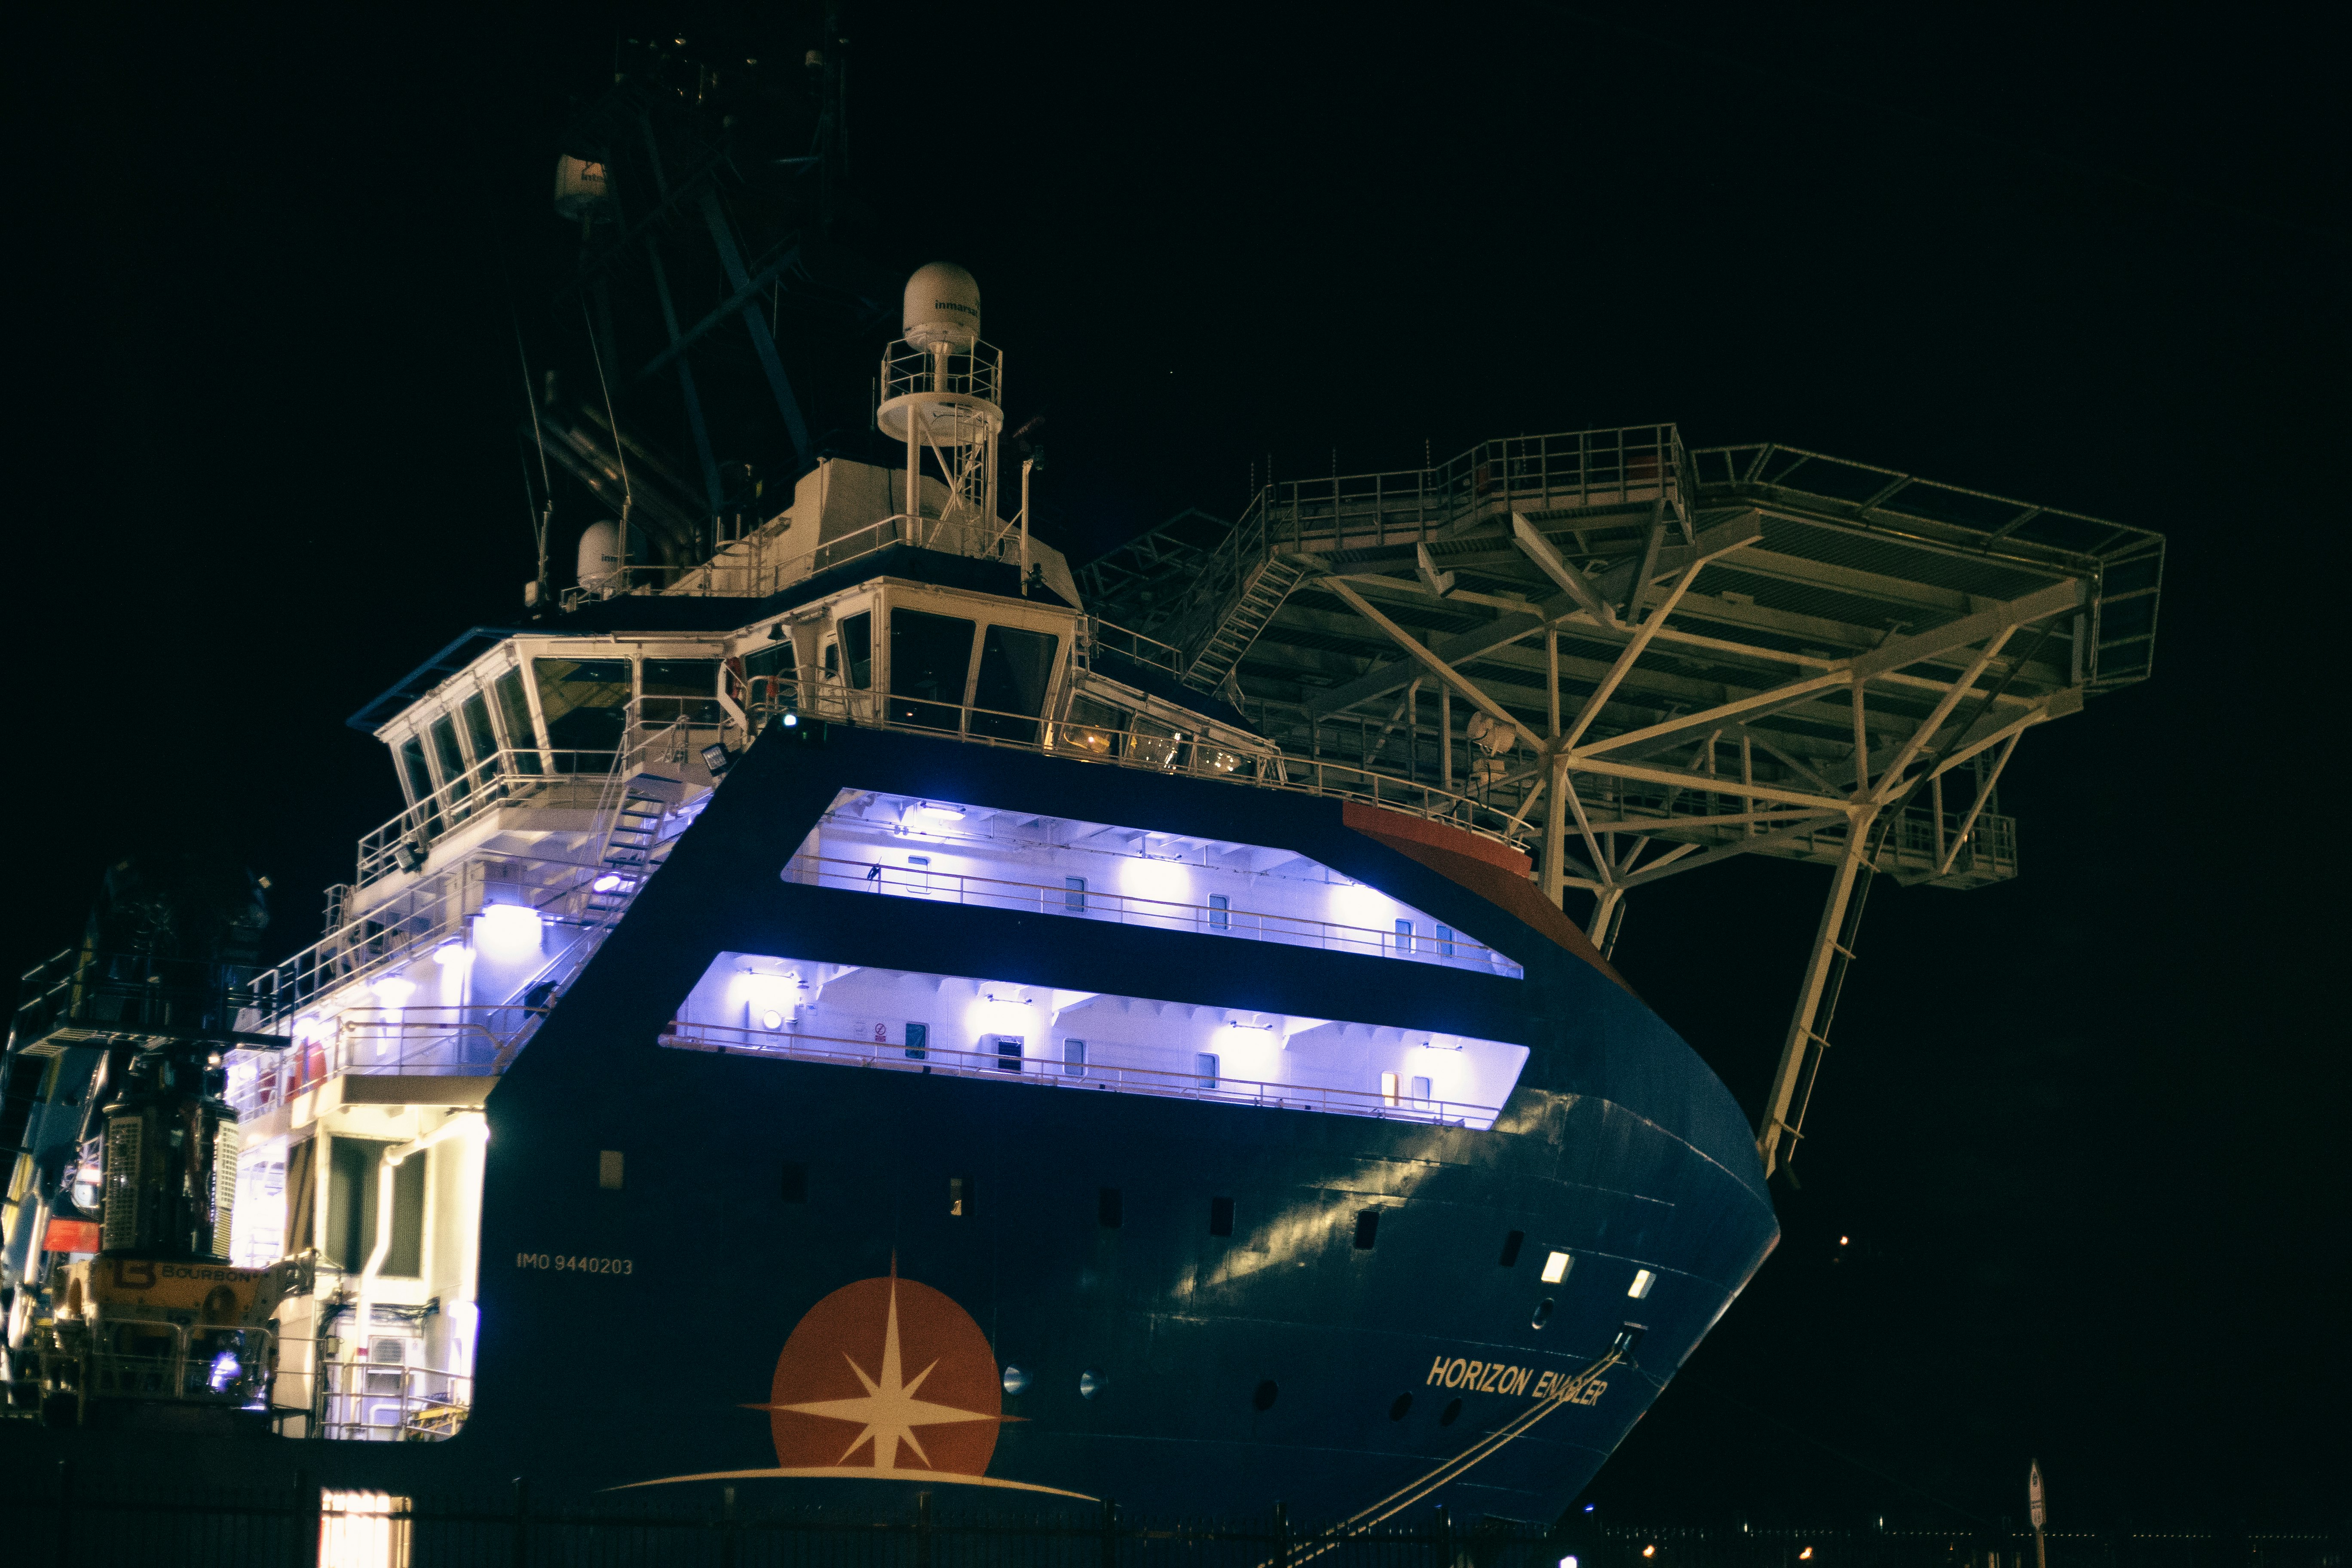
(1074,1058)
(1511,1248)
(1016,669)
(918,876)
(447,752)
(1444,935)
(419,780)
(858,650)
(1221,1216)
(514,712)
(1074,894)
(483,739)
(1555,1269)
(1008,1051)
(931,656)
(1643,1280)
(1421,1095)
(679,689)
(1391,1088)
(1221,916)
(1204,1069)
(609,1170)
(919,1036)
(1109,1212)
(1368,1228)
(962,1191)
(587,702)
(794,1189)
(1404,939)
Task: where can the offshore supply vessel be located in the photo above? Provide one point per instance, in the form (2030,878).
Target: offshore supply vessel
(838,1011)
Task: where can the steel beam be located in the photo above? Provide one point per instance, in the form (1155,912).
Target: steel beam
(1775,1135)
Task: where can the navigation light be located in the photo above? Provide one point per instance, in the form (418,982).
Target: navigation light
(790,720)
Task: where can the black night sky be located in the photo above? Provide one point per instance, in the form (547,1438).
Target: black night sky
(2084,1131)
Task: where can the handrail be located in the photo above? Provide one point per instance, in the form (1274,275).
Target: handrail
(1045,1072)
(997,893)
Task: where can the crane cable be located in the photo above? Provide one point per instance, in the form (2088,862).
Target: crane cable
(620,455)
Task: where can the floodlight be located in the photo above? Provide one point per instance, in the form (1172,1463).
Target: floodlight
(717,758)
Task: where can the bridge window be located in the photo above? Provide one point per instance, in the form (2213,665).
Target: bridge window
(586,702)
(1016,667)
(483,739)
(514,711)
(1221,1216)
(857,649)
(417,776)
(681,689)
(930,657)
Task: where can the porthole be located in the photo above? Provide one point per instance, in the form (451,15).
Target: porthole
(1543,1314)
(1400,1406)
(1446,1416)
(1015,1380)
(1090,1383)
(1266,1394)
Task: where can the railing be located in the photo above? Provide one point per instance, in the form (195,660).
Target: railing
(541,778)
(1112,639)
(1047,1074)
(130,994)
(116,1513)
(975,372)
(1128,908)
(221,1365)
(366,1403)
(433,1042)
(1911,842)
(1577,470)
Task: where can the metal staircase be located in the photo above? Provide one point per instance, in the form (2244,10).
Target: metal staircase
(1230,637)
(634,844)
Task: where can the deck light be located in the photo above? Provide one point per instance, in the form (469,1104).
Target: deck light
(1806,1555)
(606,883)
(452,951)
(1556,1268)
(393,991)
(511,928)
(943,812)
(716,758)
(1643,1280)
(790,720)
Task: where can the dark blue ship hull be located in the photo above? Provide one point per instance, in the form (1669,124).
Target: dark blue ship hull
(624,1332)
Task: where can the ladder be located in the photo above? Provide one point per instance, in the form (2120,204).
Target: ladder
(1260,598)
(633,844)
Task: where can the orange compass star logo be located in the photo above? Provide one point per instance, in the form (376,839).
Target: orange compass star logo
(886,1407)
(834,1419)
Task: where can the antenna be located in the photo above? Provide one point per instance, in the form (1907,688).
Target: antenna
(941,387)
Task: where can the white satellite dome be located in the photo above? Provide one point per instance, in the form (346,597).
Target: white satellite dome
(600,557)
(942,306)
